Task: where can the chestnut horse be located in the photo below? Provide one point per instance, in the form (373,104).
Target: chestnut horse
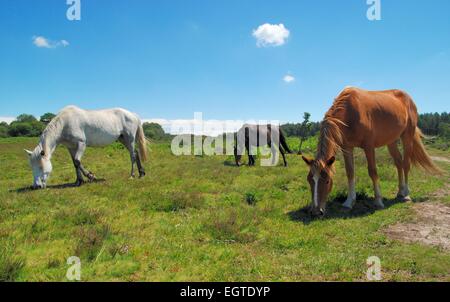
(367,120)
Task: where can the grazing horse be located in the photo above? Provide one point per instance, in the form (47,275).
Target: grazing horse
(367,120)
(77,129)
(257,136)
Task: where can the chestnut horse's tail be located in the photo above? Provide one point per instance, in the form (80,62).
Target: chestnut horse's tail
(419,155)
(142,143)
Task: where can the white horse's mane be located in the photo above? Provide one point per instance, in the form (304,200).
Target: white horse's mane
(51,132)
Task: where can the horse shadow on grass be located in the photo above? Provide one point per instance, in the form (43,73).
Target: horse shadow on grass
(56,187)
(364,206)
(229,163)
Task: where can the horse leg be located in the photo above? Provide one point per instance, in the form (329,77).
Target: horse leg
(274,153)
(282,151)
(139,165)
(77,164)
(87,173)
(370,154)
(129,143)
(130,147)
(350,170)
(77,154)
(250,157)
(407,151)
(398,160)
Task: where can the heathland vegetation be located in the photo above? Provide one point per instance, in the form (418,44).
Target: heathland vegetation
(200,218)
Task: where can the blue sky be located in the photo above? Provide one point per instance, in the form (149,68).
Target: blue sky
(168,59)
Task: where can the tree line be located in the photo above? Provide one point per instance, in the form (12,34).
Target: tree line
(26,125)
(435,124)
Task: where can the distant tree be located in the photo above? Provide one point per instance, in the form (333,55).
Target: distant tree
(154,131)
(444,130)
(46,118)
(25,125)
(17,129)
(305,129)
(4,130)
(25,118)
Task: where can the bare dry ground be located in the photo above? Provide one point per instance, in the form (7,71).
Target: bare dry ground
(431,225)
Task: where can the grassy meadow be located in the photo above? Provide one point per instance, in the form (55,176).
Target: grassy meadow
(203,219)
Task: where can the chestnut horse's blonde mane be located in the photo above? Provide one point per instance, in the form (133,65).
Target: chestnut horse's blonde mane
(331,137)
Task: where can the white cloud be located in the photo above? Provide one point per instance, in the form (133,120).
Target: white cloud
(7,119)
(42,42)
(271,35)
(64,43)
(289,78)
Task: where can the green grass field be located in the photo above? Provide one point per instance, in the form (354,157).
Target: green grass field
(202,219)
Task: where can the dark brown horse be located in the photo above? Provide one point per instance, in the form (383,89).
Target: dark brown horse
(367,120)
(257,136)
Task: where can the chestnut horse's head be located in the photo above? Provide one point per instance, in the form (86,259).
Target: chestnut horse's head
(321,183)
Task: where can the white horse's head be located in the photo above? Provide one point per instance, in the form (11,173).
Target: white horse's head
(41,166)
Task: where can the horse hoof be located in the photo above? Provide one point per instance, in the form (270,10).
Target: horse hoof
(402,198)
(348,205)
(379,204)
(407,199)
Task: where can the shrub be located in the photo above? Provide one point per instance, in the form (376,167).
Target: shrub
(251,198)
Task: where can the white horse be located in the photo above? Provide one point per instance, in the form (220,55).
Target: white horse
(77,129)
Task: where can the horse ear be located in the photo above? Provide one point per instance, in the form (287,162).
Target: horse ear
(331,161)
(308,161)
(28,152)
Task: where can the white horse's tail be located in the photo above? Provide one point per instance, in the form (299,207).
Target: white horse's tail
(142,144)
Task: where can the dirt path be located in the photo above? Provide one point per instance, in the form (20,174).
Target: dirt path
(431,225)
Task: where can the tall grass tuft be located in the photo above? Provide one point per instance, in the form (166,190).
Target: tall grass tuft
(10,265)
(233,225)
(90,241)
